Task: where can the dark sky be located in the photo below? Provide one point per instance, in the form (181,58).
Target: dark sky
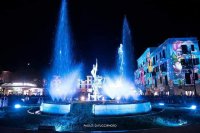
(27,29)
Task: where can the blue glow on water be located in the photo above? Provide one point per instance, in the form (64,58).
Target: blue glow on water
(121,109)
(17,106)
(193,107)
(63,76)
(55,108)
(161,104)
(170,122)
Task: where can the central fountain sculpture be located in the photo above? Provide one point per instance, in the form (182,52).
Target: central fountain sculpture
(64,75)
(97,83)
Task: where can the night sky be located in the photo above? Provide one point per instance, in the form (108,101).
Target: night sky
(28,27)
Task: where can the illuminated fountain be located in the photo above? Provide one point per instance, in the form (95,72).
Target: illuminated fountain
(121,84)
(120,87)
(62,79)
(64,75)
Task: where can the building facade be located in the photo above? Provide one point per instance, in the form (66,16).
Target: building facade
(171,68)
(90,88)
(8,85)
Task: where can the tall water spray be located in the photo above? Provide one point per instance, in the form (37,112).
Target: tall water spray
(62,59)
(127,52)
(122,84)
(121,60)
(64,74)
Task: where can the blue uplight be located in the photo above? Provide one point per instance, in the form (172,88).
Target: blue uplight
(17,106)
(63,75)
(55,108)
(193,107)
(121,109)
(161,104)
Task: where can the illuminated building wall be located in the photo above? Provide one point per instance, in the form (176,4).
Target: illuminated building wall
(170,65)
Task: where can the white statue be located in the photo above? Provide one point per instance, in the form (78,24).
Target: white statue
(94,70)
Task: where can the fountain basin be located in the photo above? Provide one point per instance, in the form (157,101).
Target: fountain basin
(121,109)
(55,108)
(97,109)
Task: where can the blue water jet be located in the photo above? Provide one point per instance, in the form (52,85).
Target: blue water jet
(127,67)
(62,60)
(121,84)
(63,76)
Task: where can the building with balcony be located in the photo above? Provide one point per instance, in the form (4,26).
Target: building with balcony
(171,68)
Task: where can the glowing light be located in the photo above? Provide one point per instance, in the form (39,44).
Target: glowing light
(82,98)
(121,109)
(161,104)
(55,108)
(103,98)
(193,107)
(119,87)
(16,84)
(118,98)
(23,99)
(156,93)
(61,87)
(17,106)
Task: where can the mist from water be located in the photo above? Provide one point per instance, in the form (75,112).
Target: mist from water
(64,74)
(121,84)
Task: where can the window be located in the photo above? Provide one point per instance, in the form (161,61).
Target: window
(196,76)
(182,61)
(166,80)
(188,62)
(163,67)
(192,47)
(154,62)
(157,69)
(196,61)
(160,55)
(155,82)
(187,78)
(161,80)
(163,52)
(184,49)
